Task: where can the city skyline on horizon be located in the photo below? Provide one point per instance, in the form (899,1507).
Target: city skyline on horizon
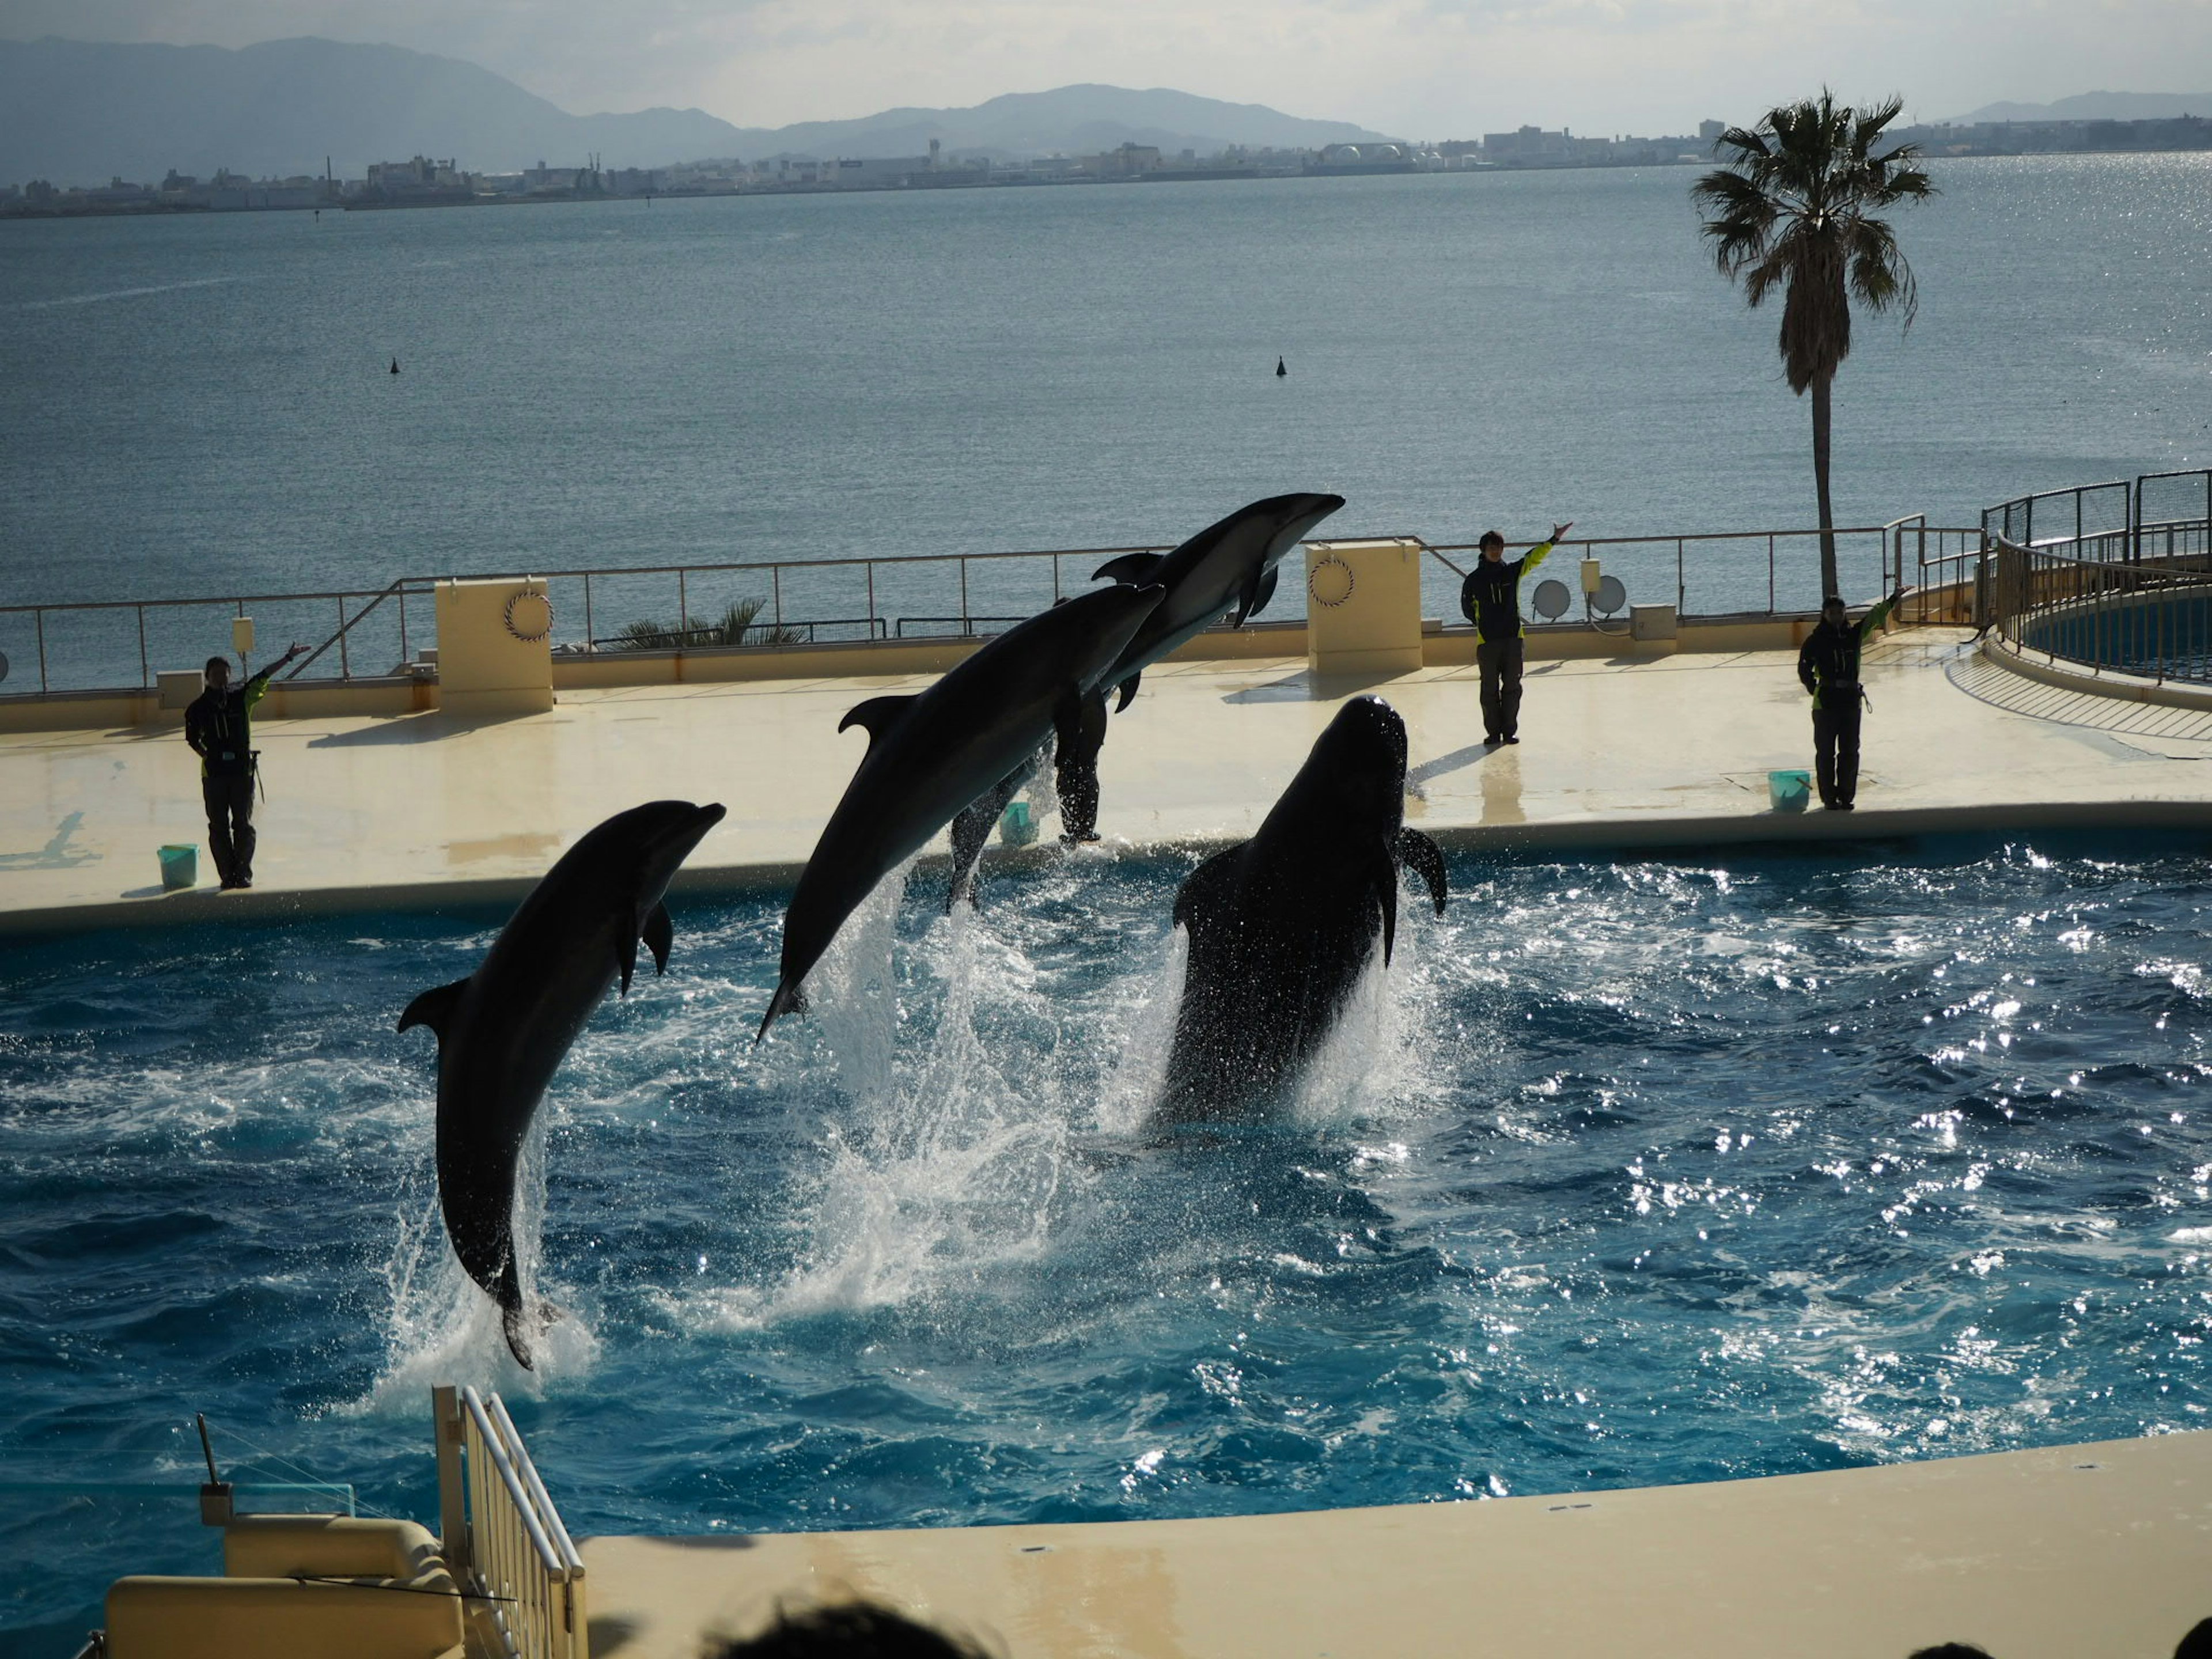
(1418,68)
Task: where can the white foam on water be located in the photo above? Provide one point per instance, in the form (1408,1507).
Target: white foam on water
(444,1329)
(1141,1032)
(853,993)
(1380,1062)
(947,1166)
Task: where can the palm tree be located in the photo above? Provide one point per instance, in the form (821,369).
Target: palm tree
(1794,206)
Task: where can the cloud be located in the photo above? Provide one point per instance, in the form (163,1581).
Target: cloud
(1421,68)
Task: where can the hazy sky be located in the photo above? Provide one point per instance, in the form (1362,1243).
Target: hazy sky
(1422,69)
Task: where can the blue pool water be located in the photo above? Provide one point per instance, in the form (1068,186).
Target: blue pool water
(1629,1171)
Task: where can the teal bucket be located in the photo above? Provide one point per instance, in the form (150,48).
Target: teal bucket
(1790,791)
(1016,828)
(180,867)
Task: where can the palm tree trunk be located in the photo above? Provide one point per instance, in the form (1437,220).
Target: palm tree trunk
(1829,581)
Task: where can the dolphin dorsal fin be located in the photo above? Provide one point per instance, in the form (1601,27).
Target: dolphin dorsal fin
(435,1008)
(1134,569)
(1128,691)
(1417,853)
(876,716)
(659,933)
(1257,592)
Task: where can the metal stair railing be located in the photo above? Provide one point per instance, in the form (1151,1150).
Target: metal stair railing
(502,1538)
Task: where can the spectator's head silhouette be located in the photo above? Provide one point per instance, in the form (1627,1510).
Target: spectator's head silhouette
(852,1630)
(1950,1651)
(2197,1644)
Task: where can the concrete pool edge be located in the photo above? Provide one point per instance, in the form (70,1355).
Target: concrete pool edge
(2094,1547)
(1583,834)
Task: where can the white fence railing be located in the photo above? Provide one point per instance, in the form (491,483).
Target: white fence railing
(502,1537)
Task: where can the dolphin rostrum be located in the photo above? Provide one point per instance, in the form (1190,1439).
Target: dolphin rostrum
(932,755)
(1281,928)
(1228,566)
(503,1030)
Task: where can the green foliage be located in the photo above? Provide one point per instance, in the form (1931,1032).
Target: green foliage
(736,626)
(1794,209)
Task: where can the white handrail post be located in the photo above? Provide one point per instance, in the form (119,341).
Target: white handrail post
(452,1500)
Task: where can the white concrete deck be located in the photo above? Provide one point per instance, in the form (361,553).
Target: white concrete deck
(401,810)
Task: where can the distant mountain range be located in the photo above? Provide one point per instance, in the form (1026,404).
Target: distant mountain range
(77,113)
(2097,107)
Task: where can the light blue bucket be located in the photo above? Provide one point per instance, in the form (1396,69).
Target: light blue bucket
(1790,791)
(180,867)
(1016,828)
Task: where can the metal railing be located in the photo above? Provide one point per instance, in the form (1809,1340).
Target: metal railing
(1783,564)
(2152,620)
(97,646)
(502,1538)
(2154,515)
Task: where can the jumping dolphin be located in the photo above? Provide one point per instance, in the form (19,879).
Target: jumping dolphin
(1228,566)
(932,755)
(503,1030)
(1281,928)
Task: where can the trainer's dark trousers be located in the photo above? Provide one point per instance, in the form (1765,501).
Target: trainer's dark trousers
(1075,772)
(1835,753)
(1500,662)
(230,826)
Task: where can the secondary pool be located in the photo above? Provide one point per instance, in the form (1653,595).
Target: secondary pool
(1629,1172)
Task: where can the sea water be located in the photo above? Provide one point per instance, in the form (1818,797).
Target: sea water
(1628,1170)
(202,403)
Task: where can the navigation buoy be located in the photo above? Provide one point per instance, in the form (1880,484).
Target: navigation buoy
(1280,370)
(395,365)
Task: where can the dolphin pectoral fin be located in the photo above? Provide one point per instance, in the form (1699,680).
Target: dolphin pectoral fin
(626,959)
(1257,592)
(1128,691)
(658,933)
(1133,568)
(435,1008)
(1386,889)
(876,716)
(1425,860)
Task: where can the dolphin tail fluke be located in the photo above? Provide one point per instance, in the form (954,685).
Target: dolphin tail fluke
(789,999)
(512,1324)
(1425,860)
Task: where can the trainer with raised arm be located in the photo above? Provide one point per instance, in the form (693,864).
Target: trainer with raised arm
(218,726)
(1490,598)
(1828,667)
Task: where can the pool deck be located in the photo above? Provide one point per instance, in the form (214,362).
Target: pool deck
(421,810)
(2044,1554)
